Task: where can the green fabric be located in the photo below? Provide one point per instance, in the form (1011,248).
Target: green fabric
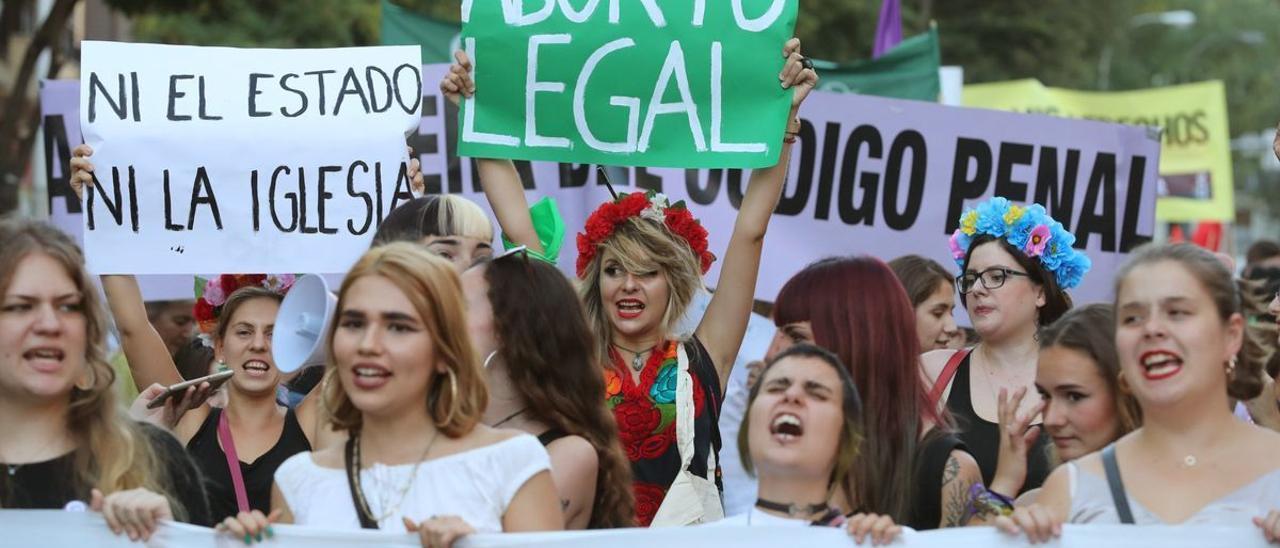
(401,27)
(549,226)
(908,71)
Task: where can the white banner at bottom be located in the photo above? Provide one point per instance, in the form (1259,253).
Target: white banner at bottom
(59,528)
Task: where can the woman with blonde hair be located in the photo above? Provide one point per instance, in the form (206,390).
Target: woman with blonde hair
(64,440)
(406,385)
(641,260)
(450,226)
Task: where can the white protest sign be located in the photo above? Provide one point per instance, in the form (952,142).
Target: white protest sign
(61,528)
(875,176)
(242,160)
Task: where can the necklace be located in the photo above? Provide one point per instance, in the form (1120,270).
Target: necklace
(509,417)
(792,509)
(1189,461)
(637,359)
(388,510)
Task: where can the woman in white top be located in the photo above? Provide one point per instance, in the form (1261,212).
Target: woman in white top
(1178,328)
(801,436)
(404,380)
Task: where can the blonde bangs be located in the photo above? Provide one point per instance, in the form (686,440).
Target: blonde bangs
(463,217)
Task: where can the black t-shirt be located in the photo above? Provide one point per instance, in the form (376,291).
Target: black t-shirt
(52,484)
(258,475)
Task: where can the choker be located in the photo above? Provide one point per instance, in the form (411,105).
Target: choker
(792,509)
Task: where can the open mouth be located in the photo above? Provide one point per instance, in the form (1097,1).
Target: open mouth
(786,427)
(256,367)
(629,308)
(45,359)
(368,376)
(1160,364)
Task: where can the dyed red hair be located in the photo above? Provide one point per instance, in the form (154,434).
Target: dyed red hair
(857,308)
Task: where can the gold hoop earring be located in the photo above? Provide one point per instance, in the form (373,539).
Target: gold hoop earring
(453,399)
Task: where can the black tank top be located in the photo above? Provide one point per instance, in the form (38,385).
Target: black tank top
(258,475)
(982,438)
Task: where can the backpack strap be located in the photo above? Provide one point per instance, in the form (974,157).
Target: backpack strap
(1118,494)
(948,373)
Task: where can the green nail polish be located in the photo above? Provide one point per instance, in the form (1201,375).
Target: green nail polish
(248,539)
(271,533)
(259,537)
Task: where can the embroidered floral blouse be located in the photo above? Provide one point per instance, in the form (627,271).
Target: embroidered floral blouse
(646,416)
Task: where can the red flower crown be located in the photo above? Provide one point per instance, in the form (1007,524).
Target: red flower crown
(211,294)
(652,206)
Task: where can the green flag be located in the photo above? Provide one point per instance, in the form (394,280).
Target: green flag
(401,27)
(908,71)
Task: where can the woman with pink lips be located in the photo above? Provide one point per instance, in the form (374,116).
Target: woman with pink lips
(641,260)
(802,437)
(1016,264)
(1178,330)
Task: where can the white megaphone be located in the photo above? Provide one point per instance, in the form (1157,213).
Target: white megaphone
(302,324)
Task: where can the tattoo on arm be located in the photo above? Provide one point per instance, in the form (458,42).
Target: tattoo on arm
(955,495)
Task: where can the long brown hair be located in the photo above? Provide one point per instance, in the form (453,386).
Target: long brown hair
(113,453)
(432,287)
(920,277)
(549,352)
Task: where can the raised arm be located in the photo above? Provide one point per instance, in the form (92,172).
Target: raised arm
(725,322)
(149,358)
(499,178)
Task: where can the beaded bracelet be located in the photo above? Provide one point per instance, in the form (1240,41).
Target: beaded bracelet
(984,503)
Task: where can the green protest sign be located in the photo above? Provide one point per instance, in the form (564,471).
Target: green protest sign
(677,83)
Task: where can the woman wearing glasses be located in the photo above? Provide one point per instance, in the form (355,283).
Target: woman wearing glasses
(1016,264)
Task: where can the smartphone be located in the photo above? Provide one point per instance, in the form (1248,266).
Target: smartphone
(215,380)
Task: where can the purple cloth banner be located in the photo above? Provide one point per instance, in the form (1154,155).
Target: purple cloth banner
(888,28)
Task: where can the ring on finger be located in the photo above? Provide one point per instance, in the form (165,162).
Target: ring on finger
(806,63)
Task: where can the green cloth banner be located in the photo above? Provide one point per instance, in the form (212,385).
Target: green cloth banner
(677,83)
(908,71)
(402,27)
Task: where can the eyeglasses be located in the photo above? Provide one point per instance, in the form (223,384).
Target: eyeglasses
(992,278)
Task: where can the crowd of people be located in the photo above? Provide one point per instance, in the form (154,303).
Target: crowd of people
(474,390)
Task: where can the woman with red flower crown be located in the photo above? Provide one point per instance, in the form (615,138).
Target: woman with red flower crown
(641,260)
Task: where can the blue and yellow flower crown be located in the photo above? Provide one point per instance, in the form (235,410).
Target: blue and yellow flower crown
(1031,230)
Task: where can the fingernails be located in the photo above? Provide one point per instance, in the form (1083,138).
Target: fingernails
(259,536)
(271,533)
(248,539)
